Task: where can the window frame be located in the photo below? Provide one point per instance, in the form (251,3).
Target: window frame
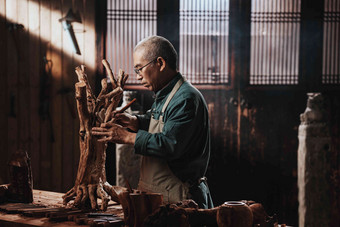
(310,46)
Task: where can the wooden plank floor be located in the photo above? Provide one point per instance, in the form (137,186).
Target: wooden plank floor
(45,201)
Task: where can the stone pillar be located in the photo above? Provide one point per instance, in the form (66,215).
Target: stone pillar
(314,164)
(127,163)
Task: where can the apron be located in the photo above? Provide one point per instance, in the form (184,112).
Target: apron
(155,174)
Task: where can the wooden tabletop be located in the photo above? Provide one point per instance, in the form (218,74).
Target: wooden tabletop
(52,200)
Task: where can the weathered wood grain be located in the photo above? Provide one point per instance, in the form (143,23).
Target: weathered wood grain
(4,101)
(68,110)
(34,66)
(57,103)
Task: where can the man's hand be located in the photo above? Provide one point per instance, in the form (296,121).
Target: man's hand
(111,132)
(126,120)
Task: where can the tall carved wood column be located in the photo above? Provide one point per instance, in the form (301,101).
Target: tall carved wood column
(91,181)
(314,164)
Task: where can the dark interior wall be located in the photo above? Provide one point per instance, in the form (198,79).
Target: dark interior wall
(256,158)
(38,110)
(4,102)
(264,166)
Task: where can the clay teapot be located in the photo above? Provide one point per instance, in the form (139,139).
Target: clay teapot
(234,214)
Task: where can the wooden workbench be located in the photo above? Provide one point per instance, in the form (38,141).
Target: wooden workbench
(48,200)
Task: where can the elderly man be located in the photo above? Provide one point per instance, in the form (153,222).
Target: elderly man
(173,137)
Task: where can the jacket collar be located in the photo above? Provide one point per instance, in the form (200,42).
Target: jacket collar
(161,94)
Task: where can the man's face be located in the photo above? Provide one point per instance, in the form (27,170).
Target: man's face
(148,76)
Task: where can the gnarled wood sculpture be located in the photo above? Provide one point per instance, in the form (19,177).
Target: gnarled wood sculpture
(91,181)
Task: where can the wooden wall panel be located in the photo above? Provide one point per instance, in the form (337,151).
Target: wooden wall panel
(259,163)
(65,93)
(56,101)
(43,178)
(90,50)
(12,75)
(23,76)
(40,114)
(265,169)
(4,102)
(33,74)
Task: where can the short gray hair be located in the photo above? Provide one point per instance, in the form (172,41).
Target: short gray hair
(157,46)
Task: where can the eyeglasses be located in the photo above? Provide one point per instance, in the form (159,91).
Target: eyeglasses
(137,71)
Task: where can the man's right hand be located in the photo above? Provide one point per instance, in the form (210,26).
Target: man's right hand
(126,120)
(111,132)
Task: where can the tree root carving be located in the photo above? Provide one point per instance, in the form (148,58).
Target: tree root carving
(91,184)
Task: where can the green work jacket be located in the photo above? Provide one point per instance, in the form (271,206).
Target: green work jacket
(185,140)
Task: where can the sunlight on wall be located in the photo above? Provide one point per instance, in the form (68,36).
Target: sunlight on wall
(43,24)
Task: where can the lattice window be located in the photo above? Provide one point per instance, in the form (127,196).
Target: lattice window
(331,43)
(204,41)
(275,35)
(128,22)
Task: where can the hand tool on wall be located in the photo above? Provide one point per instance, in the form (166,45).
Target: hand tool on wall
(67,25)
